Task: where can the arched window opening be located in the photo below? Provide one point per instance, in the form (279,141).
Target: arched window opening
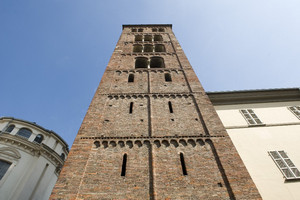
(158,38)
(131,78)
(148,38)
(161,30)
(183,164)
(157,62)
(160,48)
(170,107)
(168,77)
(148,48)
(10,128)
(138,38)
(140,30)
(39,138)
(133,30)
(97,144)
(4,166)
(24,132)
(62,156)
(141,62)
(137,48)
(124,165)
(130,107)
(154,30)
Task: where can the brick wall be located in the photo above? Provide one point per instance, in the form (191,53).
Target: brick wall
(151,136)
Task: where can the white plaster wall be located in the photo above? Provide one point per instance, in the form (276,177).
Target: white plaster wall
(21,181)
(282,132)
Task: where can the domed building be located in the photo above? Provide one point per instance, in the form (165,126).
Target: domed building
(31,158)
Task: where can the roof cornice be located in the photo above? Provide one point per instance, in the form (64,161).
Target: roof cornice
(254,96)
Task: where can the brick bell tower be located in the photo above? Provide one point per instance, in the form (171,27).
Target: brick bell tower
(151,132)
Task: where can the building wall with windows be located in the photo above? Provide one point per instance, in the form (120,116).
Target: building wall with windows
(270,129)
(31,158)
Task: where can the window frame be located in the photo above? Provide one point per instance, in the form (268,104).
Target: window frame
(253,118)
(288,165)
(297,109)
(22,135)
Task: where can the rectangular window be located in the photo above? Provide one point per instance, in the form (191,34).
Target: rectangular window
(295,110)
(3,168)
(251,117)
(286,166)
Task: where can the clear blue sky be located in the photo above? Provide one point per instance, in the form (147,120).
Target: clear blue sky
(53,52)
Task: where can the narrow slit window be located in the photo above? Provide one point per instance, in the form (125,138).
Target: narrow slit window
(168,77)
(251,117)
(130,107)
(170,107)
(184,172)
(131,78)
(284,163)
(124,165)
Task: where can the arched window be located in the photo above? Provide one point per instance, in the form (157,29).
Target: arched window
(154,30)
(39,138)
(131,78)
(62,156)
(168,77)
(157,62)
(24,132)
(138,38)
(137,48)
(133,30)
(10,128)
(161,30)
(140,30)
(158,38)
(141,62)
(160,48)
(148,38)
(148,48)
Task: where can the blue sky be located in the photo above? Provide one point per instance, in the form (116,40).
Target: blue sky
(53,52)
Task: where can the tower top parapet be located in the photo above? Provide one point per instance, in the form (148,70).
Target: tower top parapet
(146,25)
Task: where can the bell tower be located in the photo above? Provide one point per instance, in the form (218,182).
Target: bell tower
(151,132)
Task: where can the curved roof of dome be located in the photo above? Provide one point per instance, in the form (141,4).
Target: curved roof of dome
(38,126)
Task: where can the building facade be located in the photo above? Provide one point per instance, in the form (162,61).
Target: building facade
(264,126)
(31,158)
(151,132)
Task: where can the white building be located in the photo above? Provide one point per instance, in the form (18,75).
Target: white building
(264,126)
(30,160)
